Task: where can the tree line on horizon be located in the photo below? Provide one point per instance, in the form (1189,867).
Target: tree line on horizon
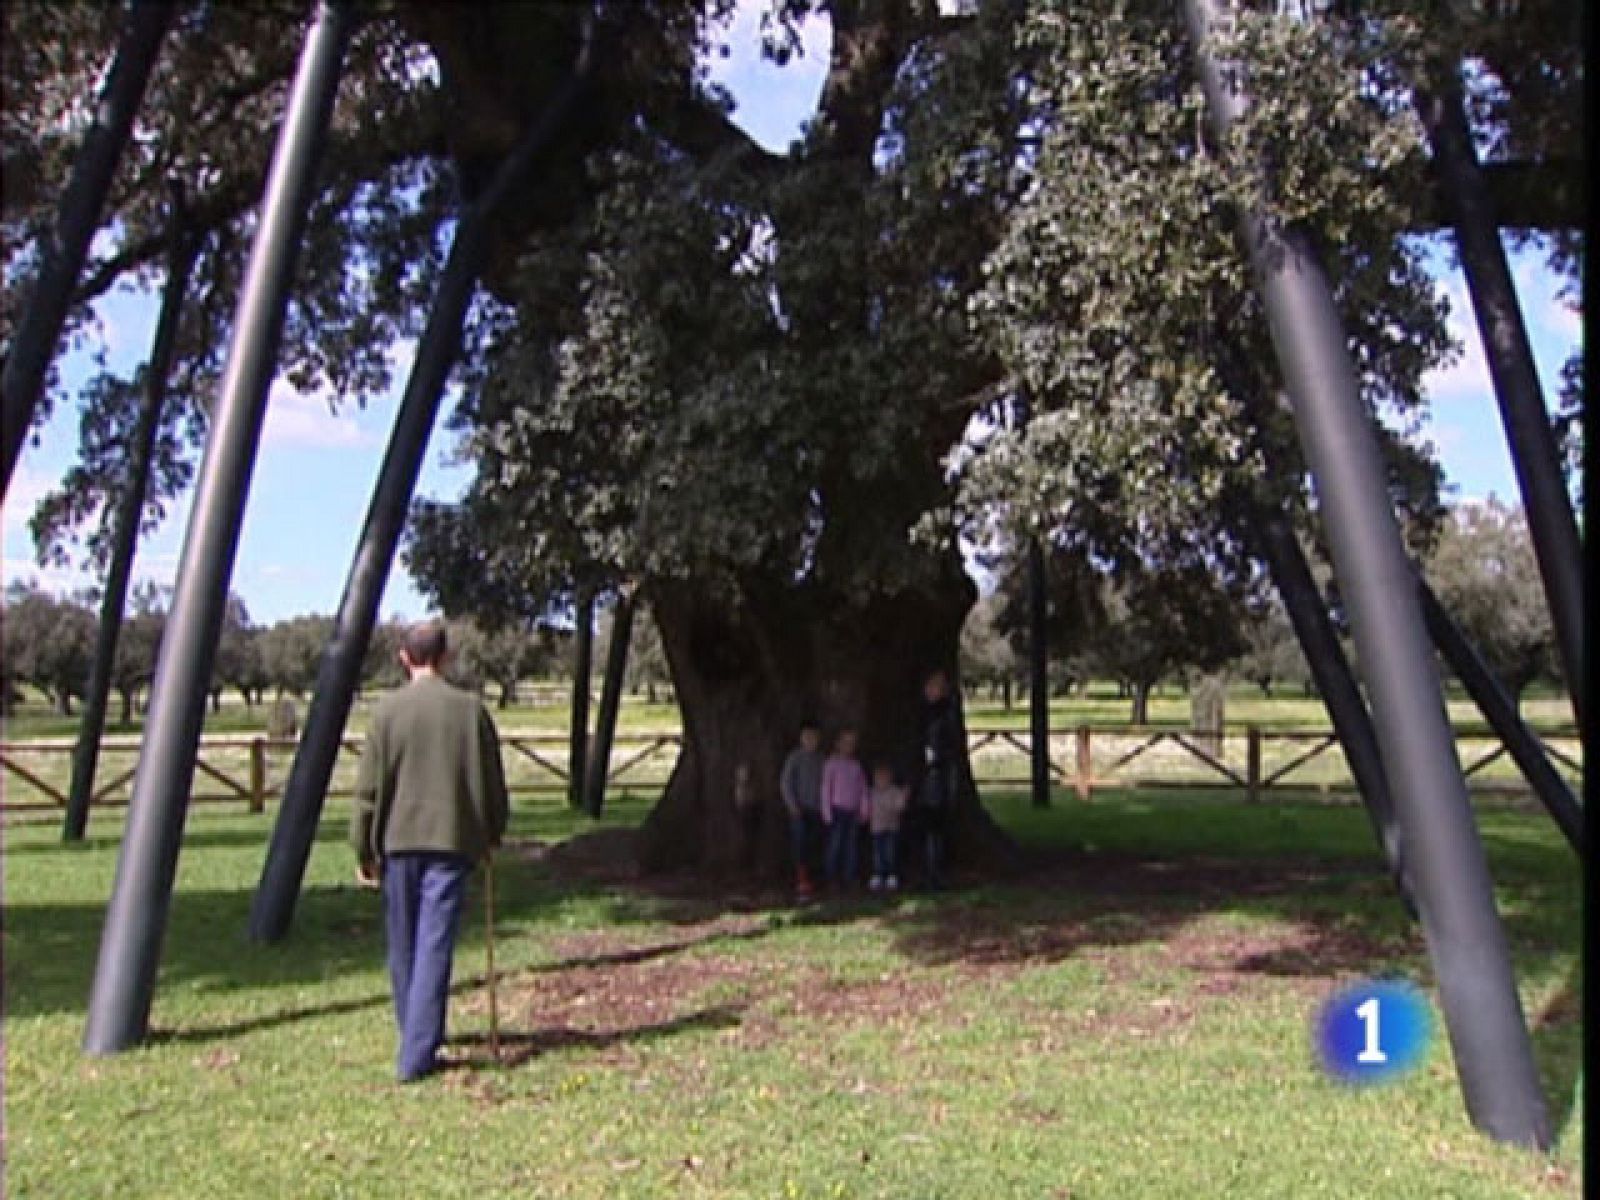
(1171,627)
(49,637)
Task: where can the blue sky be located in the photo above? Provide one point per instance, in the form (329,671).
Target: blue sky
(316,467)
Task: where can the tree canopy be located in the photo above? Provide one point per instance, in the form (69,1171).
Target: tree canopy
(990,292)
(957,223)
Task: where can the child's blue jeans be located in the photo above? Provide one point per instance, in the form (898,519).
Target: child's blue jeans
(842,837)
(885,852)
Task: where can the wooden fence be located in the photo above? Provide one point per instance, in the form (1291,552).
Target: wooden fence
(1254,759)
(1257,760)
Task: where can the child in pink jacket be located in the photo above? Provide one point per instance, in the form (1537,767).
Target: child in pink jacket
(844,807)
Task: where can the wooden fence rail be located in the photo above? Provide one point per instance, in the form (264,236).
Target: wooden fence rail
(250,770)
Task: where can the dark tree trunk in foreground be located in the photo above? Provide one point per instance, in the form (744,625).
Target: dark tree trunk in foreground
(605,727)
(578,729)
(126,518)
(1141,702)
(748,670)
(1557,545)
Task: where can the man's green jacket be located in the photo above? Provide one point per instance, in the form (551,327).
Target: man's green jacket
(430,777)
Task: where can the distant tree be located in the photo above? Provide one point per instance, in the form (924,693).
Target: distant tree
(464,667)
(1133,622)
(138,644)
(291,651)
(381,667)
(239,663)
(1155,625)
(49,642)
(1272,654)
(647,658)
(988,656)
(1484,572)
(511,651)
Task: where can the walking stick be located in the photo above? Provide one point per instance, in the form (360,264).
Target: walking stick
(488,925)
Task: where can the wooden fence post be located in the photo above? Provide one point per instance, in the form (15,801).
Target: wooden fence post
(258,774)
(1253,763)
(1084,773)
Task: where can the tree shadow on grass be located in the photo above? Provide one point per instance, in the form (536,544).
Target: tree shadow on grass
(1310,921)
(517,1047)
(338,931)
(1329,917)
(462,985)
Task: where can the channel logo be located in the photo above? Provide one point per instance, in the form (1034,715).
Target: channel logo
(1373,1032)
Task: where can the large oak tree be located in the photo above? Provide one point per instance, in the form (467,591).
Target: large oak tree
(742,380)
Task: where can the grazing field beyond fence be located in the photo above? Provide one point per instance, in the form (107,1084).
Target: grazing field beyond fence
(1259,761)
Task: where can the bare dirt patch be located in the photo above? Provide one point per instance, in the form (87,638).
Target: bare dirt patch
(1133,918)
(1315,949)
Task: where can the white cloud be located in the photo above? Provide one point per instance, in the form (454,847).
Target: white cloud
(159,568)
(304,420)
(1563,319)
(1468,375)
(26,490)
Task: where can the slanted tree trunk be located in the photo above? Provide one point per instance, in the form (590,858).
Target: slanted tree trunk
(748,669)
(605,726)
(578,725)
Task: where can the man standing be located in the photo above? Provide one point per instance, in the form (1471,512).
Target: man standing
(941,747)
(800,785)
(430,802)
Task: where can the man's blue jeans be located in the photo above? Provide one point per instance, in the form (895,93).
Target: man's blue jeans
(804,833)
(422,899)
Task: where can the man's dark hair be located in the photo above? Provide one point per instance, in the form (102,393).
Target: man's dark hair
(812,724)
(425,643)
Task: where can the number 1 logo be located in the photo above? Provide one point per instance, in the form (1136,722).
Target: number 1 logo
(1373,1032)
(1371,1053)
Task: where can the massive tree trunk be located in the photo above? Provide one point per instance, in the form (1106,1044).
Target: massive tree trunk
(747,669)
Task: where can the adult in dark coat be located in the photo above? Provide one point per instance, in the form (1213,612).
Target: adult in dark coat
(936,785)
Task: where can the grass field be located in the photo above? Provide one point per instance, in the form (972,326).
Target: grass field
(1130,1018)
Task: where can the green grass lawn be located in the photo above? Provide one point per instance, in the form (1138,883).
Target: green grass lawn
(1130,1019)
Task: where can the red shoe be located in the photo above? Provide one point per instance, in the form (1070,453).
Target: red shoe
(802,886)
